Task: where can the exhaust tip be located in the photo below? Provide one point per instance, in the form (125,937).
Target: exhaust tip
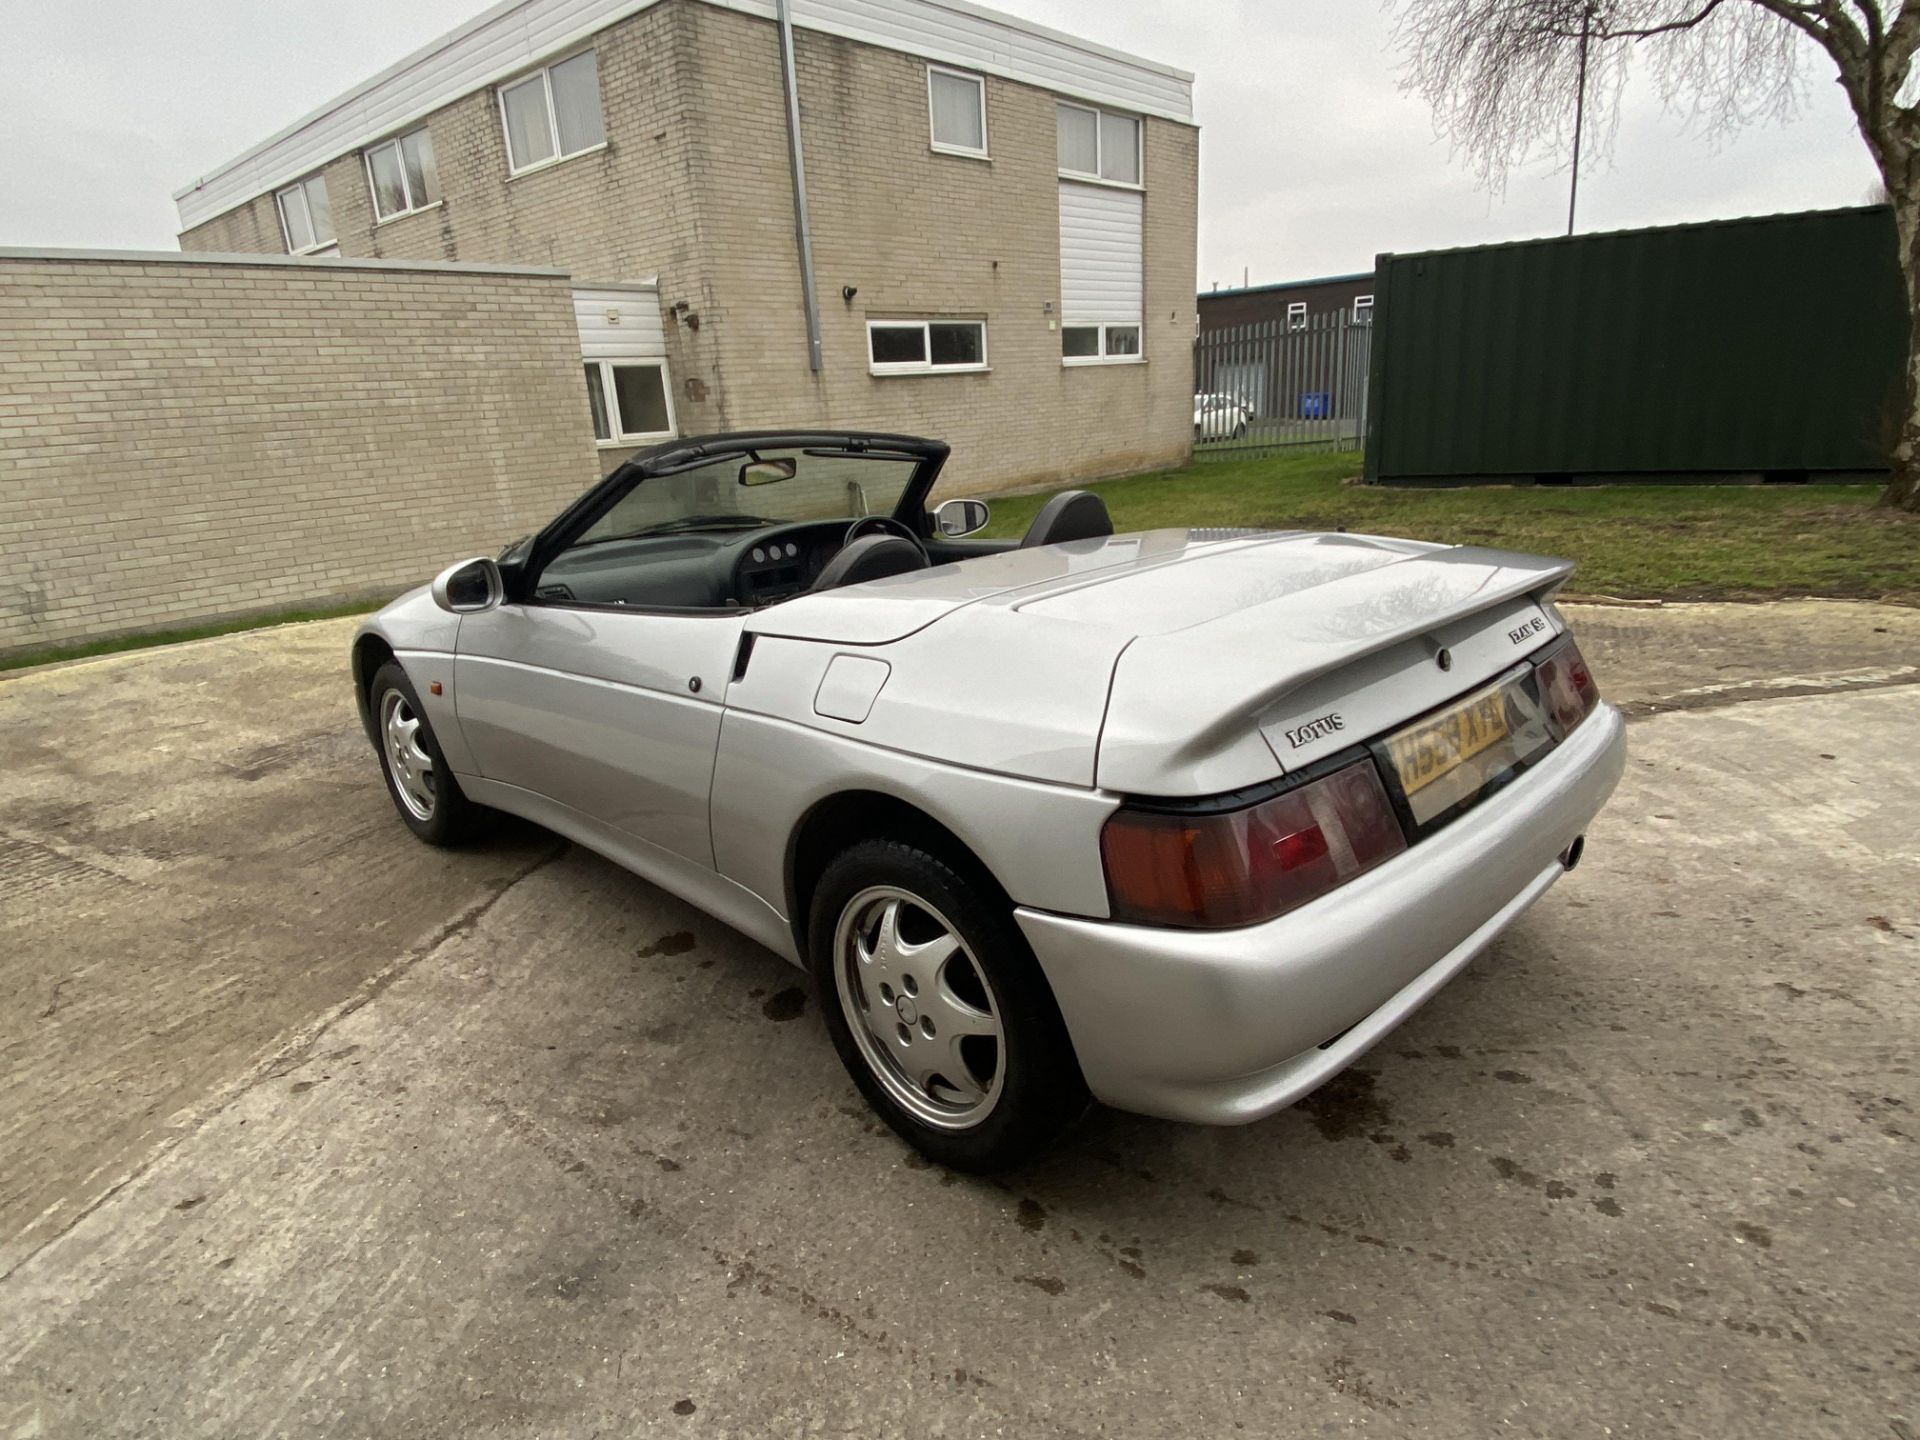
(1570,856)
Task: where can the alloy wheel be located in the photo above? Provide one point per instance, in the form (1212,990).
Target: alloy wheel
(920,1008)
(407,758)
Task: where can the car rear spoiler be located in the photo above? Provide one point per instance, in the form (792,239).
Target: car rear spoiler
(1183,698)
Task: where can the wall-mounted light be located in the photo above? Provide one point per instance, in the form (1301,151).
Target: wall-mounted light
(847,292)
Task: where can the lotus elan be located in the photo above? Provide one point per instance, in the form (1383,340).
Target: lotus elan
(1176,822)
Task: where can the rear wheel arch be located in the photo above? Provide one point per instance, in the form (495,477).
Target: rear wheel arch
(1004,1104)
(853,815)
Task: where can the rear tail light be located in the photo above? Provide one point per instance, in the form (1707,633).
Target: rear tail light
(1566,688)
(1216,871)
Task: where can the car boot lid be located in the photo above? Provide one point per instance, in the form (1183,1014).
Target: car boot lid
(1292,674)
(1222,654)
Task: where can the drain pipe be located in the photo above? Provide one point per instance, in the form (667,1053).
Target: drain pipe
(802,225)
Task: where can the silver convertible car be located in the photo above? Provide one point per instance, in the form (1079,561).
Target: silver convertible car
(1179,824)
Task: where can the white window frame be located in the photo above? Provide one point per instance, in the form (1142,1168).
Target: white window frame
(934,143)
(1362,309)
(392,142)
(926,366)
(1296,315)
(1099,146)
(328,246)
(1106,355)
(545,74)
(621,438)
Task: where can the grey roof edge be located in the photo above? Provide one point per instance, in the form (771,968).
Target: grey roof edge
(292,262)
(1723,221)
(1287,285)
(623,9)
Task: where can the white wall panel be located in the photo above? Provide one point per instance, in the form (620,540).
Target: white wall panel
(1100,255)
(621,324)
(520,33)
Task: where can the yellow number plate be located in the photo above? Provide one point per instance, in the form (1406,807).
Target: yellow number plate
(1430,751)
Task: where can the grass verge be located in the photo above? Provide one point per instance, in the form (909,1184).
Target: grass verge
(1676,542)
(27,658)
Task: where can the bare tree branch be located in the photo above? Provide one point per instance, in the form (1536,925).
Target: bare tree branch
(1647,32)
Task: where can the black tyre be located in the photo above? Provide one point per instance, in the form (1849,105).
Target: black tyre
(424,791)
(938,1008)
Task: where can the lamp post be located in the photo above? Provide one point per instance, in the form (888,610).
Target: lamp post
(1579,112)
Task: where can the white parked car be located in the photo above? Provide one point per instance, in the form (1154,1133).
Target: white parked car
(1180,826)
(1220,417)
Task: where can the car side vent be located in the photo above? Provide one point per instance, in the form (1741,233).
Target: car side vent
(553,592)
(741,656)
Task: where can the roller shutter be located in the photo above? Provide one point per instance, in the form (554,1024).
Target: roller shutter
(1100,255)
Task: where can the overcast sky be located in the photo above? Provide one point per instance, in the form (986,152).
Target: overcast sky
(1311,159)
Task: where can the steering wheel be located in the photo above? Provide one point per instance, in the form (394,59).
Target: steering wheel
(883,525)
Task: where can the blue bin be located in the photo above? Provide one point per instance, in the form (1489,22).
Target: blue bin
(1316,405)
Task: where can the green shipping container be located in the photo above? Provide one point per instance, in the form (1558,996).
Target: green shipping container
(1769,346)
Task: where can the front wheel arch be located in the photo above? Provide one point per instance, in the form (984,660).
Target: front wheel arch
(370,652)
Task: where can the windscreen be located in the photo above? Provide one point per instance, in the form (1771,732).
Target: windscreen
(770,487)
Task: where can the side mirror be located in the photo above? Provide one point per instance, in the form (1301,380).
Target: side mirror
(470,586)
(955,518)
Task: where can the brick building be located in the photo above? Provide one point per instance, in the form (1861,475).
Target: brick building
(1001,219)
(1292,304)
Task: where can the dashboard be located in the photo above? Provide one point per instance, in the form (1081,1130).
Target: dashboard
(784,563)
(705,569)
(780,565)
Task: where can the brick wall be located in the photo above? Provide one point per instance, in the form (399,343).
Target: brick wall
(187,440)
(693,187)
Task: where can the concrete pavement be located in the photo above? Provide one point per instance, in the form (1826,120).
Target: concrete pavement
(311,1129)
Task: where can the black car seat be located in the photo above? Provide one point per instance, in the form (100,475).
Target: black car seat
(871,557)
(1070,515)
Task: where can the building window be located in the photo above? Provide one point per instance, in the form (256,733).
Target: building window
(920,347)
(306,219)
(1363,309)
(957,111)
(1297,315)
(401,175)
(631,401)
(1086,344)
(553,113)
(1098,144)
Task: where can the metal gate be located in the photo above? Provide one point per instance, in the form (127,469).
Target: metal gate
(1279,385)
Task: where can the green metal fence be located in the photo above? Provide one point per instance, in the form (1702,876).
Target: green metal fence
(1770,346)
